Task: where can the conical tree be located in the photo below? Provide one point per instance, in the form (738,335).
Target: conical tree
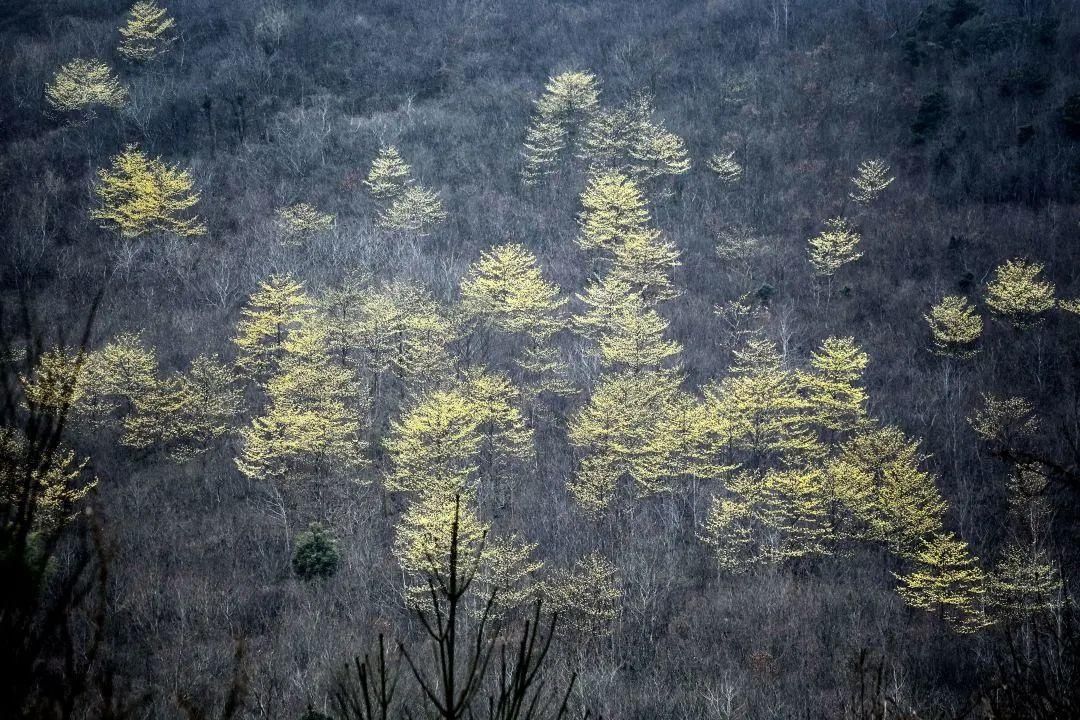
(834,247)
(148,32)
(279,306)
(389,174)
(1016,295)
(140,196)
(954,327)
(833,389)
(948,581)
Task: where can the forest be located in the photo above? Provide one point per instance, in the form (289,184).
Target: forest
(539,359)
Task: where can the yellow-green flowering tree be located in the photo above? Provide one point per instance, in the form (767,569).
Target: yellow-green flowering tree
(588,596)
(279,306)
(415,209)
(148,32)
(758,408)
(299,223)
(770,518)
(627,432)
(870,181)
(82,85)
(876,477)
(1017,295)
(140,195)
(560,114)
(836,398)
(834,247)
(311,425)
(634,338)
(186,413)
(726,167)
(955,327)
(389,174)
(948,581)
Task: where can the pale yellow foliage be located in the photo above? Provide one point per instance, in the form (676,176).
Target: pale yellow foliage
(301,222)
(726,167)
(149,30)
(141,195)
(389,174)
(415,209)
(954,326)
(871,181)
(311,426)
(279,306)
(1017,295)
(632,428)
(837,401)
(81,85)
(947,580)
(587,597)
(876,476)
(834,247)
(52,486)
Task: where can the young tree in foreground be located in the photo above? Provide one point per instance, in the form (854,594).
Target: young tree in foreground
(1017,295)
(149,30)
(140,195)
(474,670)
(81,85)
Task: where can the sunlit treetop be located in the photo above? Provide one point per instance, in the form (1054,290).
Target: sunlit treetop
(569,96)
(656,151)
(301,222)
(836,397)
(279,306)
(877,476)
(49,489)
(141,195)
(389,174)
(57,382)
(647,262)
(1017,295)
(726,167)
(614,209)
(954,327)
(415,209)
(1004,420)
(588,596)
(506,288)
(635,337)
(602,299)
(871,181)
(148,32)
(1026,581)
(947,580)
(834,247)
(82,85)
(629,139)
